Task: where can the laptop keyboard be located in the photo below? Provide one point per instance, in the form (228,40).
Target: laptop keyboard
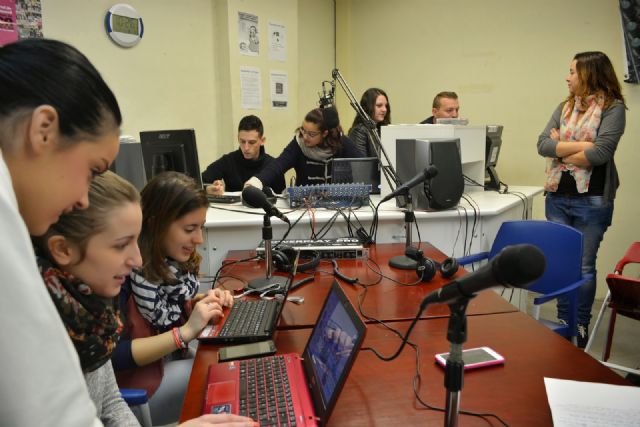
(249,318)
(265,394)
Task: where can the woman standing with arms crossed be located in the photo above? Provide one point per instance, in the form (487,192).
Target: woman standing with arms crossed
(579,143)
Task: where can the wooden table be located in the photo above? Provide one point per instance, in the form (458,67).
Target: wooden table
(387,301)
(380,393)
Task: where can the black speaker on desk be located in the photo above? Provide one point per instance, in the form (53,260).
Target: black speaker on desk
(445,189)
(129,164)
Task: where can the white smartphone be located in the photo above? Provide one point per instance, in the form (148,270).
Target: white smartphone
(474,358)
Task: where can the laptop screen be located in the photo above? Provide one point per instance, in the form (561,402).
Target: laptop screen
(331,349)
(363,170)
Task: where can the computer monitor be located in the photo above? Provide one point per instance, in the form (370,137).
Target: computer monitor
(170,150)
(492,152)
(360,170)
(129,164)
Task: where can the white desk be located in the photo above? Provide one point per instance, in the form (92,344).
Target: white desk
(243,230)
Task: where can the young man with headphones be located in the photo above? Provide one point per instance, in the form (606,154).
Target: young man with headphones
(318,140)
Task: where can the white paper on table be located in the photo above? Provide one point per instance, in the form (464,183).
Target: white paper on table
(584,404)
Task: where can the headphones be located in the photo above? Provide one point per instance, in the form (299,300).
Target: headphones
(427,268)
(284,257)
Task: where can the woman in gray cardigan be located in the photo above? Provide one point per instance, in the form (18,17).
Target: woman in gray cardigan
(579,143)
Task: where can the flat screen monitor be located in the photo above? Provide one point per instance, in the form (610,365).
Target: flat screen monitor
(170,150)
(129,164)
(362,170)
(492,152)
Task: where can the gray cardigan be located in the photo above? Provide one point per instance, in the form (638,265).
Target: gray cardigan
(113,411)
(611,129)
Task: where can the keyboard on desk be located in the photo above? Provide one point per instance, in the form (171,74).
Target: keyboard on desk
(247,321)
(265,394)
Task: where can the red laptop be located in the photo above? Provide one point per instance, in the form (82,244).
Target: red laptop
(289,389)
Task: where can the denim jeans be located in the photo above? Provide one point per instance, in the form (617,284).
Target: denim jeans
(592,216)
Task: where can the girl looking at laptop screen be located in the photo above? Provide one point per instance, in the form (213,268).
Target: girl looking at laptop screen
(318,140)
(159,297)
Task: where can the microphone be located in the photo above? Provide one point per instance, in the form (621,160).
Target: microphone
(326,97)
(515,266)
(257,199)
(428,173)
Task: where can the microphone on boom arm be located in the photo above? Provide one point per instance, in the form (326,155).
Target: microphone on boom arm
(256,198)
(327,94)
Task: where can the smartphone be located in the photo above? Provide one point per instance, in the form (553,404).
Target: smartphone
(246,351)
(474,358)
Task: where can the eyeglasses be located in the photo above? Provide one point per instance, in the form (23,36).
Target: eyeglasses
(310,134)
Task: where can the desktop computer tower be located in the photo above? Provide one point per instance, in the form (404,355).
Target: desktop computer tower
(445,189)
(129,164)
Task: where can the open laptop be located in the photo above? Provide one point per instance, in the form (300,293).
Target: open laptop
(362,170)
(250,320)
(314,379)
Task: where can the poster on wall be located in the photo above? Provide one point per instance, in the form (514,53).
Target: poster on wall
(250,91)
(29,19)
(248,37)
(277,42)
(8,26)
(279,89)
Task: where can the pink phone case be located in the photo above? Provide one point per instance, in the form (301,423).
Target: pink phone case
(481,356)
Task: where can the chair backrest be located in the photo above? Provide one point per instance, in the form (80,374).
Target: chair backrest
(561,245)
(625,295)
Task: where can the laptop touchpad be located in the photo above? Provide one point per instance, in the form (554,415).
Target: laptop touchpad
(221,392)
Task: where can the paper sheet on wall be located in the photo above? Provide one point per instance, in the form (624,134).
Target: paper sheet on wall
(248,37)
(279,89)
(584,404)
(277,42)
(250,88)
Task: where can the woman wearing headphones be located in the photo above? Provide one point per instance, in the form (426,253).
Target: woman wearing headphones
(318,140)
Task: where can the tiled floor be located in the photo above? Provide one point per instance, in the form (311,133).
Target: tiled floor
(625,349)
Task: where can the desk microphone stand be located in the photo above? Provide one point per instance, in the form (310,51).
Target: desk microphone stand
(270,279)
(403,262)
(454,371)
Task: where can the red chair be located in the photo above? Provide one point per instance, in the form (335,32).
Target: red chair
(623,299)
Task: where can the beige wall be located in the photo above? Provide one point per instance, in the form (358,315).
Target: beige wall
(506,62)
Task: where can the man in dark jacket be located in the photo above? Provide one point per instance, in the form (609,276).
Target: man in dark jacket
(230,171)
(445,106)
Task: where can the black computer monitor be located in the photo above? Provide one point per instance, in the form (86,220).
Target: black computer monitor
(170,150)
(360,170)
(492,152)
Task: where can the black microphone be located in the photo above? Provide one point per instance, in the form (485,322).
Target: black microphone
(515,266)
(326,97)
(428,173)
(257,199)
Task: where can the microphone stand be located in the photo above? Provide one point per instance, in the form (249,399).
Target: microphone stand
(270,279)
(403,262)
(454,370)
(387,169)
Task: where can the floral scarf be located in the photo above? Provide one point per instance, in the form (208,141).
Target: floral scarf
(572,129)
(92,322)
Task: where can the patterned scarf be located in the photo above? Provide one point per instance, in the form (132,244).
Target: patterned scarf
(574,129)
(93,323)
(163,305)
(319,153)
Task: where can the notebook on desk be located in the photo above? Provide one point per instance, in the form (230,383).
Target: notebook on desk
(250,320)
(311,382)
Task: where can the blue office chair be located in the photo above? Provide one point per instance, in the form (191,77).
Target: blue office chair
(138,401)
(562,247)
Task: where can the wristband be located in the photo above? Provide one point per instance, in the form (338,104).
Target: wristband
(177,338)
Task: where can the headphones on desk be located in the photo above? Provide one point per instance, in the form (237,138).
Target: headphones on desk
(284,257)
(427,268)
